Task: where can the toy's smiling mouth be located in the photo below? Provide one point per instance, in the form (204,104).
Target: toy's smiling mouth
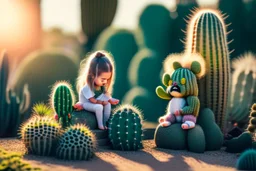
(175,88)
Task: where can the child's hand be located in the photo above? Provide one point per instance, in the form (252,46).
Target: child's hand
(113,101)
(104,103)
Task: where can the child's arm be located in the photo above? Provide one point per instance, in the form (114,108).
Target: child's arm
(95,101)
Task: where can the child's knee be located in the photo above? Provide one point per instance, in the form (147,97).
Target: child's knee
(98,107)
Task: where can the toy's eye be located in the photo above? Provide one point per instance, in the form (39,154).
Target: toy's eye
(183,81)
(170,82)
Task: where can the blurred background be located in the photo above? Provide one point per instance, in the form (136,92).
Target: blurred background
(45,40)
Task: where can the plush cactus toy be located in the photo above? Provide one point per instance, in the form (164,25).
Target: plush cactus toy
(243,91)
(182,89)
(62,100)
(40,135)
(125,128)
(206,35)
(12,108)
(13,162)
(247,160)
(77,143)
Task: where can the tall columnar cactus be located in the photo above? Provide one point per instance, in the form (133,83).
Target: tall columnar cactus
(12,161)
(12,108)
(62,100)
(125,128)
(247,160)
(96,15)
(40,135)
(122,45)
(252,123)
(155,33)
(207,36)
(243,91)
(77,143)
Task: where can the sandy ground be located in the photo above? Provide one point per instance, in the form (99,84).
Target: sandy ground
(148,159)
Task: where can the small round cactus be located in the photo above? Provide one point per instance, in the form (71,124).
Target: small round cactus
(125,128)
(247,160)
(252,123)
(77,143)
(40,135)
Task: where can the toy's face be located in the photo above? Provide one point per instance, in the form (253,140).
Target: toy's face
(177,87)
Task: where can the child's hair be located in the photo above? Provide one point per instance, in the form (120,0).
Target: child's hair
(92,66)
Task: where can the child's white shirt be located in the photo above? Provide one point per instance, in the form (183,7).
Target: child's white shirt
(86,93)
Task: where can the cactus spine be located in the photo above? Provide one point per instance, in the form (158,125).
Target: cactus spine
(125,128)
(77,143)
(62,100)
(11,107)
(252,123)
(207,36)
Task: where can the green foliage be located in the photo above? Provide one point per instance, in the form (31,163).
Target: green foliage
(213,135)
(172,137)
(243,91)
(42,109)
(63,99)
(247,160)
(152,106)
(196,140)
(11,161)
(41,69)
(125,128)
(84,117)
(40,135)
(155,33)
(239,144)
(96,15)
(76,143)
(206,35)
(122,45)
(12,108)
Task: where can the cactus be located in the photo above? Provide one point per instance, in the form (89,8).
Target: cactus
(207,36)
(76,143)
(125,128)
(84,117)
(122,45)
(154,33)
(12,108)
(239,144)
(96,15)
(243,92)
(41,69)
(62,100)
(42,109)
(247,160)
(196,140)
(213,135)
(40,135)
(152,106)
(172,137)
(252,123)
(236,22)
(11,161)
(140,72)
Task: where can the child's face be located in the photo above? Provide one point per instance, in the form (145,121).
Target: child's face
(102,79)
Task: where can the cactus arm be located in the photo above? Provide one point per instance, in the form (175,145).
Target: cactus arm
(166,78)
(162,94)
(192,107)
(24,104)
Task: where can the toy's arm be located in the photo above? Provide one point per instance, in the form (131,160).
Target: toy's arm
(162,94)
(193,106)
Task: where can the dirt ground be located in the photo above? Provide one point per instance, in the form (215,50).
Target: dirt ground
(148,159)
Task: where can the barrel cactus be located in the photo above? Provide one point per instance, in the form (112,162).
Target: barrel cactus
(206,35)
(12,161)
(243,91)
(12,108)
(62,100)
(93,21)
(247,160)
(125,128)
(40,135)
(42,109)
(252,123)
(76,143)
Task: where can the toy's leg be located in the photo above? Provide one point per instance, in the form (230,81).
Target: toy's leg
(167,120)
(189,122)
(98,110)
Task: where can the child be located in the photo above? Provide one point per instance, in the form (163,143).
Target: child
(94,85)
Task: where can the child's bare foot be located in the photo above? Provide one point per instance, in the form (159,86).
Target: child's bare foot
(101,127)
(78,107)
(106,128)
